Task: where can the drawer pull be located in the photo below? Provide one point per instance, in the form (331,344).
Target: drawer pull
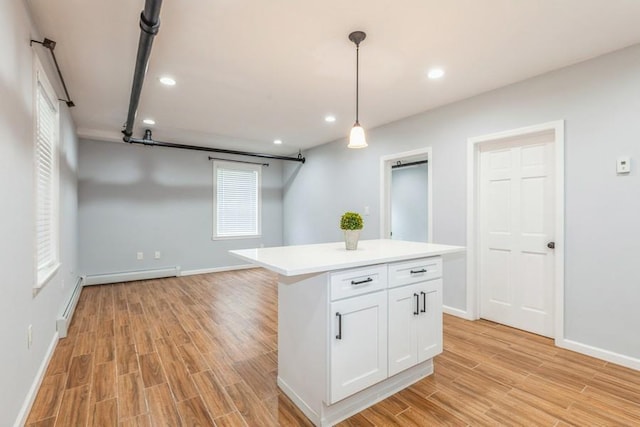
(424,270)
(339,336)
(415,313)
(424,302)
(360,282)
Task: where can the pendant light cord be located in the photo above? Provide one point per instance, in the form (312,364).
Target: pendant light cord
(357,80)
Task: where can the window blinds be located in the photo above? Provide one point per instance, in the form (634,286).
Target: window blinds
(46,134)
(237,200)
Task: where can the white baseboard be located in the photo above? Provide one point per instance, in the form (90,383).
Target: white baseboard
(216,269)
(609,356)
(127,276)
(37,381)
(64,320)
(456,312)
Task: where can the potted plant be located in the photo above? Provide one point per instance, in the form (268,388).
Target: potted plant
(351,223)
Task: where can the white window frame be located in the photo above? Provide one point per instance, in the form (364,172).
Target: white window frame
(220,164)
(45,272)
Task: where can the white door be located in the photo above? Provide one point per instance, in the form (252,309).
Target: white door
(516,228)
(358,344)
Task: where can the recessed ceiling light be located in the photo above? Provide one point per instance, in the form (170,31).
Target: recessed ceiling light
(168,81)
(277,141)
(149,122)
(330,119)
(435,73)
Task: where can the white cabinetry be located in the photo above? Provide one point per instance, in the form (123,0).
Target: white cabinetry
(415,313)
(430,321)
(351,337)
(415,324)
(358,336)
(358,344)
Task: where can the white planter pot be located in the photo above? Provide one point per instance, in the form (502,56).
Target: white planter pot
(351,239)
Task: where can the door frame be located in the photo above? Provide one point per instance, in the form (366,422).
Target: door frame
(385,189)
(473,239)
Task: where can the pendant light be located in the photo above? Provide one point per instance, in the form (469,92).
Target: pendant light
(356,137)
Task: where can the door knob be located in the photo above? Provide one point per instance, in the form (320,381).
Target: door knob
(551,245)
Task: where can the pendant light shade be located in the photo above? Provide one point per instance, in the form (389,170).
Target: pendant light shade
(357,138)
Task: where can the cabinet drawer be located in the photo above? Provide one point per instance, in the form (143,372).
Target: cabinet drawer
(414,271)
(348,283)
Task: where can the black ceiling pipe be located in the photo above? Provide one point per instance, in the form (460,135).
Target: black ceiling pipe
(149,26)
(150,142)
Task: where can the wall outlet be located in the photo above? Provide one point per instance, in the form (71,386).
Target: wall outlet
(29,336)
(140,255)
(157,255)
(366,210)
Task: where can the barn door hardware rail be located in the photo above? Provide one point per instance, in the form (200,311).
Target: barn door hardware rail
(149,26)
(50,44)
(149,141)
(399,164)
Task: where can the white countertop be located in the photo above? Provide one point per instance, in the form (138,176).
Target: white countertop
(305,259)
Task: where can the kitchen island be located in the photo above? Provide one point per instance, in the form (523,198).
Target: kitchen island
(354,327)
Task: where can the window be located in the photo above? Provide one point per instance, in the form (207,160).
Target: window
(46,175)
(236,200)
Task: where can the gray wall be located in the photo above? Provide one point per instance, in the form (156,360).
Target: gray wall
(134,198)
(600,101)
(409,195)
(19,307)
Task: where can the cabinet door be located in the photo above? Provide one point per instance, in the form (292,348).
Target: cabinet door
(403,327)
(430,320)
(358,350)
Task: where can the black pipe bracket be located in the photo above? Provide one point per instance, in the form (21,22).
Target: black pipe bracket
(149,27)
(51,45)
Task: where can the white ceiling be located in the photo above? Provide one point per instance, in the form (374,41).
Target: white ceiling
(250,71)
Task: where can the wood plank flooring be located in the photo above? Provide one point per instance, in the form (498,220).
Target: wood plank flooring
(201,351)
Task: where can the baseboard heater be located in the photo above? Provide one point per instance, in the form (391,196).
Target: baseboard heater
(128,276)
(64,320)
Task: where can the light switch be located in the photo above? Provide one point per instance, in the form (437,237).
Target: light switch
(623,164)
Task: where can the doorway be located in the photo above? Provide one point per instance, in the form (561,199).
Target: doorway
(515,228)
(405,199)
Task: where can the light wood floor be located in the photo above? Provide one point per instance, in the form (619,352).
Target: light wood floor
(201,350)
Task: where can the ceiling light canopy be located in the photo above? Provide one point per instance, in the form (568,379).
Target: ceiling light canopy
(167,81)
(330,118)
(149,122)
(357,138)
(277,141)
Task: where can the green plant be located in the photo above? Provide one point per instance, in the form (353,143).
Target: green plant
(351,221)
